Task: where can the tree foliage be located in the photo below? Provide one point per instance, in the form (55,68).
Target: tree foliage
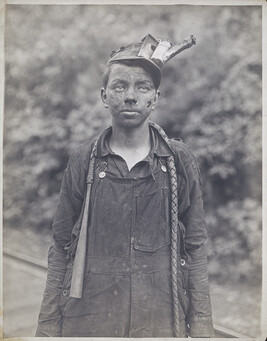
(211,97)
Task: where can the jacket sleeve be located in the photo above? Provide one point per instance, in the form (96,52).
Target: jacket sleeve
(68,208)
(199,316)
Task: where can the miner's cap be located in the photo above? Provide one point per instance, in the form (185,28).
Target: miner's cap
(150,52)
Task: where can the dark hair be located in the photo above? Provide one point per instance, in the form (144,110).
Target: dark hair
(147,67)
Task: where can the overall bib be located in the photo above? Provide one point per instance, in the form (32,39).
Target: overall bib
(127,282)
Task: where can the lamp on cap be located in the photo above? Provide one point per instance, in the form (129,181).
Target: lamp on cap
(152,52)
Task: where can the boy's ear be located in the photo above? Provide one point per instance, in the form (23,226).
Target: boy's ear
(156,99)
(104,97)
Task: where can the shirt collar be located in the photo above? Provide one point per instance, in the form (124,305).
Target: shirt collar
(158,145)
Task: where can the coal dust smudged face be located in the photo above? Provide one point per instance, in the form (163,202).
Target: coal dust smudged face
(130,95)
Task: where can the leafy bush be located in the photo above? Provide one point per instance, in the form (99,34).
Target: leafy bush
(235,237)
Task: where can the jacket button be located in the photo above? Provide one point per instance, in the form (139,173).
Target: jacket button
(102,175)
(182,262)
(163,168)
(65,293)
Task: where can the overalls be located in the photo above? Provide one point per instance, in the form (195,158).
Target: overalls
(127,286)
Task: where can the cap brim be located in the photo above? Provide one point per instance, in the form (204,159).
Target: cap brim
(154,70)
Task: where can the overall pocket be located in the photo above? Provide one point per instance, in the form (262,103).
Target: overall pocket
(103,294)
(152,227)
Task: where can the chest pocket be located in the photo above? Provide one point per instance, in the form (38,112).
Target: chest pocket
(152,223)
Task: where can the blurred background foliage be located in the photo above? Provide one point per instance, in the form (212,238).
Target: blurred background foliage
(210,97)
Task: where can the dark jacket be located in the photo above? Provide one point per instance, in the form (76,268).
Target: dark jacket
(196,312)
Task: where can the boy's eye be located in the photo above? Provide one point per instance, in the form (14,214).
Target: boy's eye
(119,87)
(143,88)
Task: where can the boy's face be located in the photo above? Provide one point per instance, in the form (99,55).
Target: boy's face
(130,95)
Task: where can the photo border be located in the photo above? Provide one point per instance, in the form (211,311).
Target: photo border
(263,4)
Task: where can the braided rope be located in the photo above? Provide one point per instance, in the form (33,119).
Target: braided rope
(174,242)
(174,230)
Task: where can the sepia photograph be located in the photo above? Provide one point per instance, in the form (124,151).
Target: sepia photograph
(132,170)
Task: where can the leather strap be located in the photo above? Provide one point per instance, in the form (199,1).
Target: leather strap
(79,260)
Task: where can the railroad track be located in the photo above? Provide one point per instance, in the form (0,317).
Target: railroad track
(220,331)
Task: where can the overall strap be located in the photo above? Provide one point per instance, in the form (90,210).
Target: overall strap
(174,230)
(79,260)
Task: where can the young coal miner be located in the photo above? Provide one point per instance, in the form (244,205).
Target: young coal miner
(129,258)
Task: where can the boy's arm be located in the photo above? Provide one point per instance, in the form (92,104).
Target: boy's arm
(67,212)
(199,316)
